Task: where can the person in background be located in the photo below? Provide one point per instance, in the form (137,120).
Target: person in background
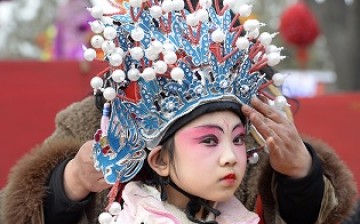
(173,100)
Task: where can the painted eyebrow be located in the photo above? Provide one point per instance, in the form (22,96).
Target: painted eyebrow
(210,126)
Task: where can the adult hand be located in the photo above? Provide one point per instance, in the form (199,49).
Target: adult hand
(80,175)
(287,152)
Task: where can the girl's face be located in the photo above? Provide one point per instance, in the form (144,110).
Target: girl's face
(210,158)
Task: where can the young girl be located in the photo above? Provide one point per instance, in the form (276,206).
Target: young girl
(173,140)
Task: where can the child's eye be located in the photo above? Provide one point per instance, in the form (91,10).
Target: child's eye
(239,140)
(210,140)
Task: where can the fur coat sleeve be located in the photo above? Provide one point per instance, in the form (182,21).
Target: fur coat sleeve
(21,200)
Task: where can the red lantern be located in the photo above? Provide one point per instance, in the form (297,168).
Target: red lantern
(299,27)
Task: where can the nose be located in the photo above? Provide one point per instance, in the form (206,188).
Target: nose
(228,156)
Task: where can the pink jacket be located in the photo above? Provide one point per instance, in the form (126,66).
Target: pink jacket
(143,205)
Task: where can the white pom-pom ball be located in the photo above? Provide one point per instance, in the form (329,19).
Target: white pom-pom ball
(179,5)
(105,218)
(177,74)
(278,79)
(118,75)
(109,33)
(253,34)
(96,11)
(251,24)
(97,41)
(274,58)
(242,43)
(133,74)
(156,11)
(205,4)
(96,82)
(135,3)
(137,53)
(89,54)
(108,47)
(218,36)
(167,46)
(148,74)
(115,59)
(157,46)
(168,6)
(202,15)
(96,26)
(170,57)
(151,53)
(115,208)
(265,38)
(137,34)
(254,158)
(109,93)
(120,51)
(280,102)
(229,3)
(160,67)
(192,20)
(245,10)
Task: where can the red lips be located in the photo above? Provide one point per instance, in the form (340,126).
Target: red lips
(230,176)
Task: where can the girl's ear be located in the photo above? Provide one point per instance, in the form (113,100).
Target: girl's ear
(159,162)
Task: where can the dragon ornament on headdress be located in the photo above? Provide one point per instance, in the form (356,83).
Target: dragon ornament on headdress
(166,58)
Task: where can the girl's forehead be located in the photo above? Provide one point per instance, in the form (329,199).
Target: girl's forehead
(220,118)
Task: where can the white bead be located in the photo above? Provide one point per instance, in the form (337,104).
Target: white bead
(108,47)
(192,20)
(115,208)
(115,59)
(109,93)
(96,82)
(133,74)
(157,46)
(218,36)
(273,49)
(280,102)
(274,59)
(137,53)
(120,51)
(179,5)
(245,10)
(109,33)
(137,34)
(151,53)
(160,67)
(105,218)
(96,26)
(177,74)
(242,43)
(229,3)
(118,76)
(254,158)
(96,11)
(170,57)
(205,4)
(168,46)
(148,74)
(156,11)
(89,54)
(278,79)
(265,38)
(135,3)
(251,24)
(97,41)
(167,6)
(253,34)
(202,15)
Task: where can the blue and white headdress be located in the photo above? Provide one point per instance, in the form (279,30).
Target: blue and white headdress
(175,59)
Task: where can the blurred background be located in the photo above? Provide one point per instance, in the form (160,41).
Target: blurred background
(42,68)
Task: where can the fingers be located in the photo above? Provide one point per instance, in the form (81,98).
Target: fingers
(266,110)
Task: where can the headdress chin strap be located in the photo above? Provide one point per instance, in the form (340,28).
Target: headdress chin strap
(194,206)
